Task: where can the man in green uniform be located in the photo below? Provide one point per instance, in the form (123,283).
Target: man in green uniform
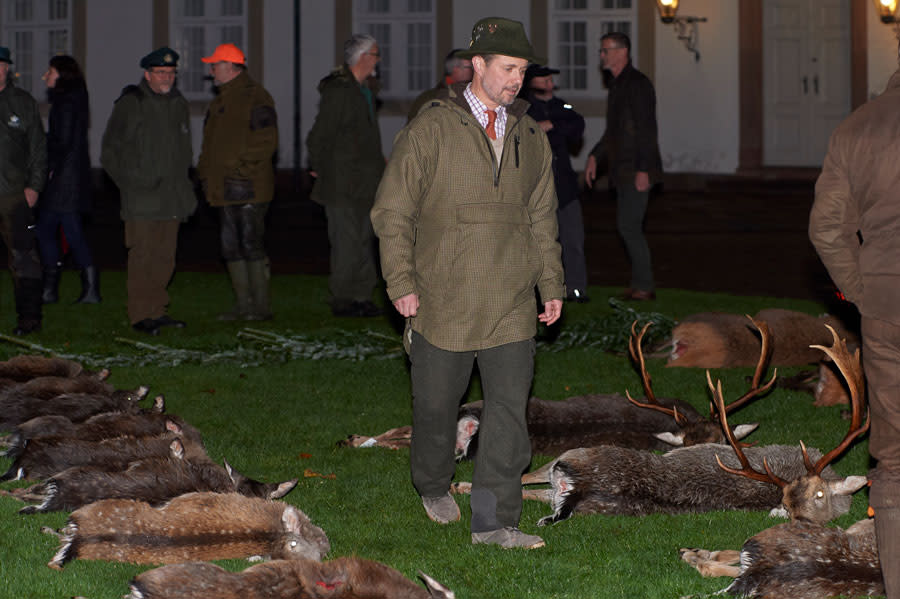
(466,219)
(240,137)
(345,157)
(456,70)
(147,153)
(23,170)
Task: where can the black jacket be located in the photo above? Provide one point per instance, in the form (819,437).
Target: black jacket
(23,145)
(568,127)
(68,186)
(629,144)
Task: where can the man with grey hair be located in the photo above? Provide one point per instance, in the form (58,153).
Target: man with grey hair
(456,70)
(345,158)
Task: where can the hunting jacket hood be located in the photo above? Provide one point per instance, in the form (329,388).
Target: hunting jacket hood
(23,145)
(344,143)
(471,235)
(147,152)
(857,191)
(240,137)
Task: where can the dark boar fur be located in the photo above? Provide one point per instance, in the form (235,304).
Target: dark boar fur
(343,578)
(44,387)
(191,527)
(26,367)
(44,457)
(616,480)
(16,408)
(154,480)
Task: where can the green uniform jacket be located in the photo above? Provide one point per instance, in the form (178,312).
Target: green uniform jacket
(240,137)
(147,152)
(23,145)
(344,143)
(470,236)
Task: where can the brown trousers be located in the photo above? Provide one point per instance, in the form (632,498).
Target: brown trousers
(151,261)
(881,362)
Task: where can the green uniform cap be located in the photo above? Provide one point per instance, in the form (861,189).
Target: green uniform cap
(162,57)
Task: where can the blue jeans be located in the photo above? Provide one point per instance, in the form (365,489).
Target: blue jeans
(48,223)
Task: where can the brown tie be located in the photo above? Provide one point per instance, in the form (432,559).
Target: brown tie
(492,116)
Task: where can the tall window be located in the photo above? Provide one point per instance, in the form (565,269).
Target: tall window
(405,32)
(576,27)
(35,31)
(197,27)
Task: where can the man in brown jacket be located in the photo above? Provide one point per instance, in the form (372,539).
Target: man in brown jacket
(240,138)
(857,199)
(466,218)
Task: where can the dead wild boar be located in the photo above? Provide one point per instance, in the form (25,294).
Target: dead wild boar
(16,408)
(25,367)
(154,480)
(343,578)
(191,527)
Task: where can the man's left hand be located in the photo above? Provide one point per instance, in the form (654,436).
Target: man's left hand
(31,196)
(641,181)
(552,312)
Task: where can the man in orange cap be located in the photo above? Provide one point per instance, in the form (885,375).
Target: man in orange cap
(240,138)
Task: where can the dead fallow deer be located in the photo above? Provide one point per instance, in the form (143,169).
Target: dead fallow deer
(804,558)
(719,340)
(190,527)
(342,578)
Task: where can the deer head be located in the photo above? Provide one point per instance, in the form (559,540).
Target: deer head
(700,431)
(811,497)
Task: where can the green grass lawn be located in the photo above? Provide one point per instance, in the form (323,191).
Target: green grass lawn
(279,419)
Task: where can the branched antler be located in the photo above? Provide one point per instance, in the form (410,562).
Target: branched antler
(637,356)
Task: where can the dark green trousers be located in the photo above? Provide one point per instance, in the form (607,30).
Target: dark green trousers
(17,228)
(439,380)
(631,207)
(151,262)
(352,239)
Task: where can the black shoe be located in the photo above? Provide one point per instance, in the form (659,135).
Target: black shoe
(27,326)
(50,293)
(148,325)
(167,321)
(90,286)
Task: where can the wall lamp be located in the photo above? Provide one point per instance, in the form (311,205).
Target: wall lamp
(685,27)
(887,12)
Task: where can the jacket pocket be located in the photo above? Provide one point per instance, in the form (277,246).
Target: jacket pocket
(238,191)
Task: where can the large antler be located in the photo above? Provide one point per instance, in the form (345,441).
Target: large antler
(765,352)
(746,469)
(637,356)
(851,369)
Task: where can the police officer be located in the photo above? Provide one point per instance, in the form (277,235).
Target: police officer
(23,171)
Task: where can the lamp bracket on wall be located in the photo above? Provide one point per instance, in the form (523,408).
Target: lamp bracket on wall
(687,31)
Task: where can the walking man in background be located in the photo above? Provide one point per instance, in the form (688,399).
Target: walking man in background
(456,70)
(564,128)
(147,153)
(630,149)
(23,156)
(466,218)
(346,159)
(240,137)
(857,198)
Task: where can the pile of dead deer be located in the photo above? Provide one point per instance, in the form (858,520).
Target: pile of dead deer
(142,489)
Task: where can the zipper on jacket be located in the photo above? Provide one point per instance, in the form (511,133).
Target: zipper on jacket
(516,139)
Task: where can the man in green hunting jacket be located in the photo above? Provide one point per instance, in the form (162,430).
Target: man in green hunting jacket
(147,153)
(345,157)
(240,138)
(23,170)
(466,219)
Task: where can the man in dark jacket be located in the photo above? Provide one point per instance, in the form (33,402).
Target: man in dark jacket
(147,152)
(456,70)
(564,128)
(240,137)
(346,159)
(630,148)
(23,170)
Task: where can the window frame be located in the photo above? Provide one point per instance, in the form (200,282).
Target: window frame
(29,65)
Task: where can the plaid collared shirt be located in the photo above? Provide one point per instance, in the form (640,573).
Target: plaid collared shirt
(478,109)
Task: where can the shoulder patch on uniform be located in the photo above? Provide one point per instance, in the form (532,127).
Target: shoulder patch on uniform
(262,117)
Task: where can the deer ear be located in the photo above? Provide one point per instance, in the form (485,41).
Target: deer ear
(671,438)
(847,486)
(177,449)
(436,589)
(283,489)
(290,519)
(172,426)
(742,430)
(159,404)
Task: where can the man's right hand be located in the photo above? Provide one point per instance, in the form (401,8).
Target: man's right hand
(407,305)
(590,171)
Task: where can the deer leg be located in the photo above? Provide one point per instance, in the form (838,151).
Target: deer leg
(539,476)
(543,495)
(713,563)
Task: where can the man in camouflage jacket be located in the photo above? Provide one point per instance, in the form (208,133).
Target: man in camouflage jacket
(147,153)
(23,171)
(466,219)
(240,137)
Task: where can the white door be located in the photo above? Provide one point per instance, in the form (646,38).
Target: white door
(806,80)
